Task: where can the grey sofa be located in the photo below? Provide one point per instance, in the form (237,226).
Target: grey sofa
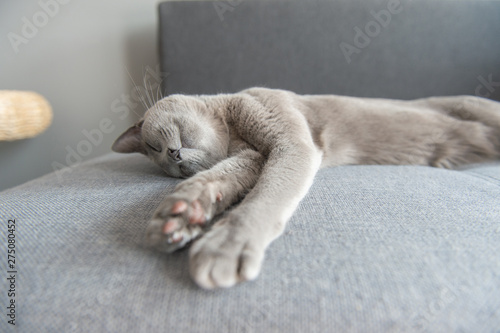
(370,248)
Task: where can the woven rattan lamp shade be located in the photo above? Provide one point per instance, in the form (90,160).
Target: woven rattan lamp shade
(23,114)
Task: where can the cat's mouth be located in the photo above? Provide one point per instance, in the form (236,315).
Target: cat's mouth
(186,171)
(183,169)
(184,175)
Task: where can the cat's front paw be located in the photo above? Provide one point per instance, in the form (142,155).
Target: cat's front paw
(184,215)
(178,222)
(226,255)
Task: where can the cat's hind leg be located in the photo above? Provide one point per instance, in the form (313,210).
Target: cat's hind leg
(473,129)
(467,108)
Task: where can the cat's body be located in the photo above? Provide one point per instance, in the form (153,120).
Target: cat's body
(263,147)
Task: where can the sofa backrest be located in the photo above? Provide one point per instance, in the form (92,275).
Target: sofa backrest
(380,48)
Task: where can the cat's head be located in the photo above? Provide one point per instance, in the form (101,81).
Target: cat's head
(182,134)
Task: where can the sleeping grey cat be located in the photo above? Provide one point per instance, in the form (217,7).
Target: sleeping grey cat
(263,147)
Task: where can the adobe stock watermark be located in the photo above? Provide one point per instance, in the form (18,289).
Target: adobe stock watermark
(121,107)
(445,298)
(486,85)
(372,29)
(222,7)
(31,26)
(255,320)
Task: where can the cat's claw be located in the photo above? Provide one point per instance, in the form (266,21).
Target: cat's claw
(176,225)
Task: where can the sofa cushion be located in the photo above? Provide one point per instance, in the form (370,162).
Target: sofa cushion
(370,248)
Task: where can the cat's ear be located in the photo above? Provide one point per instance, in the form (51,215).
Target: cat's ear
(130,141)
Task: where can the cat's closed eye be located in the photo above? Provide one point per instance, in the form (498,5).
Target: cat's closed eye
(153,148)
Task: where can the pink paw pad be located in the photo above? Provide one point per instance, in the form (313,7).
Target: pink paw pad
(170,226)
(197,213)
(179,207)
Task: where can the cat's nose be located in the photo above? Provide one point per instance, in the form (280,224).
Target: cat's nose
(175,154)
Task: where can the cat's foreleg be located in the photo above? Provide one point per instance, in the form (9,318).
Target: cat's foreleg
(233,250)
(184,215)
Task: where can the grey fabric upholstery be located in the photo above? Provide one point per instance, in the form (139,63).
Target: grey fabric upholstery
(370,248)
(427,48)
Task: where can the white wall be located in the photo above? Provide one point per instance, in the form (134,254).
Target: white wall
(78,59)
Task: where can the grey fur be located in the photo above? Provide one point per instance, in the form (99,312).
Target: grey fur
(263,147)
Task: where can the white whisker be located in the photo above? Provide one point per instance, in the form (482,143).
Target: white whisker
(157,91)
(147,92)
(137,89)
(151,89)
